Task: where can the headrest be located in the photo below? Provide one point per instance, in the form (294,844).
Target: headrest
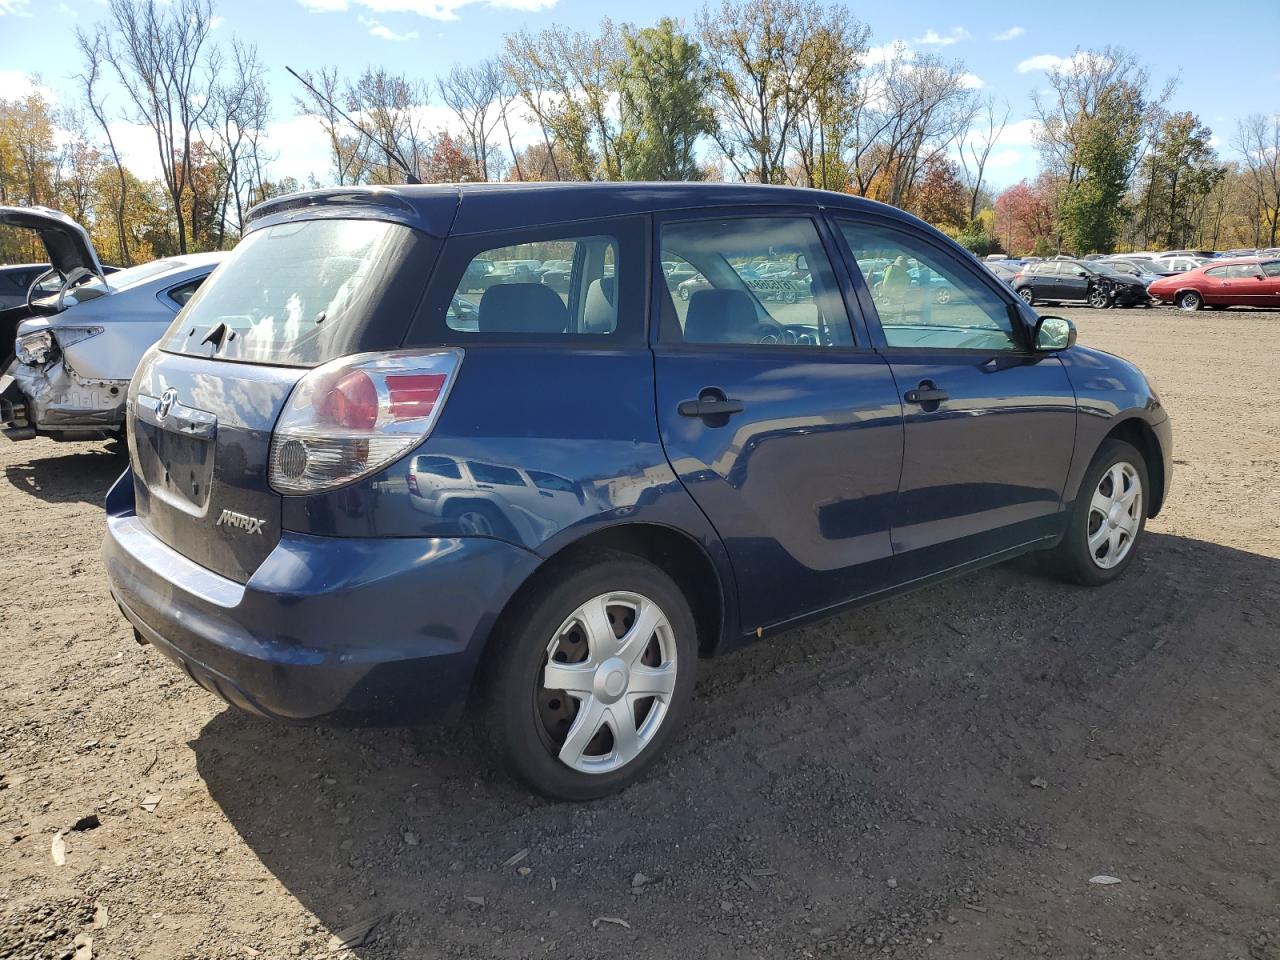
(522,308)
(600,313)
(720,316)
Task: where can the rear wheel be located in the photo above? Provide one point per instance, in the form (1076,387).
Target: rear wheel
(591,677)
(1107,519)
(1190,301)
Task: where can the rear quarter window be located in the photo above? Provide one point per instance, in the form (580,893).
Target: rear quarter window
(579,283)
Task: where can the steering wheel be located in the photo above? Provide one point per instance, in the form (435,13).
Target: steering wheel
(767,331)
(31,290)
(76,276)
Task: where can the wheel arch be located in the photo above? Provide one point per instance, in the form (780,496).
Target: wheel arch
(1138,433)
(673,551)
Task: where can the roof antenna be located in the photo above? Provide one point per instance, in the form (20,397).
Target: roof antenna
(390,149)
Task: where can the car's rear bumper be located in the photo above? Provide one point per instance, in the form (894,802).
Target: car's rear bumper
(346,630)
(53,401)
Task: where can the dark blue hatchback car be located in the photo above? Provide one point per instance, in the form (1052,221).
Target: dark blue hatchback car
(350,499)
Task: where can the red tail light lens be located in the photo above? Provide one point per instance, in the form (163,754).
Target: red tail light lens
(354,416)
(352,401)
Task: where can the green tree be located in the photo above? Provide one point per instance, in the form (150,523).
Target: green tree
(1178,174)
(662,86)
(1093,119)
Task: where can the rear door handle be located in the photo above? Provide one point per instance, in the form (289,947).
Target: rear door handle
(709,407)
(926,393)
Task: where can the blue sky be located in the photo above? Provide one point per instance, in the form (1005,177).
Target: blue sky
(1224,74)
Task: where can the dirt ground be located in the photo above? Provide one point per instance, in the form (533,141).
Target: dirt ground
(936,776)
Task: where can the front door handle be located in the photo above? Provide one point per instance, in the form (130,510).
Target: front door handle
(926,393)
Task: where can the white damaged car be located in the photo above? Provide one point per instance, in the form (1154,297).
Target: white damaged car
(75,350)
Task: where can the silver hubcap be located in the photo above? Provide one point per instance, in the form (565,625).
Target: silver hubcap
(608,680)
(1190,302)
(1026,295)
(1115,514)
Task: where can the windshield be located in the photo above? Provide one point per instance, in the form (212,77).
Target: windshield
(300,293)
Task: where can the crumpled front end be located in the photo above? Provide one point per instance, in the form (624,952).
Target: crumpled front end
(52,400)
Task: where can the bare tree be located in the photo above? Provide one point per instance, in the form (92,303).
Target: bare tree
(242,107)
(92,48)
(158,53)
(1258,140)
(389,106)
(474,96)
(321,104)
(765,63)
(910,113)
(975,151)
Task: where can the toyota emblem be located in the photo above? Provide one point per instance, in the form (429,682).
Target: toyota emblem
(167,400)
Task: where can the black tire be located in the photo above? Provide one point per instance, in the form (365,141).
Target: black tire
(1028,296)
(1190,301)
(512,711)
(1072,560)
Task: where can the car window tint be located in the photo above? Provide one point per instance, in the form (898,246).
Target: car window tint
(1243,271)
(559,286)
(492,473)
(928,299)
(1271,268)
(755,280)
(180,295)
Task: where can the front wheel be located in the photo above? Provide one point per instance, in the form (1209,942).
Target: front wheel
(591,677)
(1190,301)
(1107,519)
(1098,299)
(1028,296)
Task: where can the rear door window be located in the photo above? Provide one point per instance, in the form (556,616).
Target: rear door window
(758,280)
(300,293)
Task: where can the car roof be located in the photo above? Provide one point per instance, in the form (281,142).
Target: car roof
(464,208)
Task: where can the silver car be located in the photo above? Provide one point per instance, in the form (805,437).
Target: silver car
(75,350)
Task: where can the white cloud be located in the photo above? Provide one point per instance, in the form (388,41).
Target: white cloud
(1048,62)
(1011,34)
(971,81)
(16,85)
(14,8)
(385,33)
(216,21)
(1043,61)
(1000,159)
(932,38)
(886,52)
(434,9)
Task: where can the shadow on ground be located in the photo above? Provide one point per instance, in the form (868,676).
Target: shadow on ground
(84,475)
(945,769)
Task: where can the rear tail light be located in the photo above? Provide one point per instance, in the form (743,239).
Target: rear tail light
(351,417)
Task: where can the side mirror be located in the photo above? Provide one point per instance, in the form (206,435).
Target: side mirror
(1054,334)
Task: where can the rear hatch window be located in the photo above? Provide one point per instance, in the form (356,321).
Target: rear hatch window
(303,292)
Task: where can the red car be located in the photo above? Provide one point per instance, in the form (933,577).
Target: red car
(1243,282)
